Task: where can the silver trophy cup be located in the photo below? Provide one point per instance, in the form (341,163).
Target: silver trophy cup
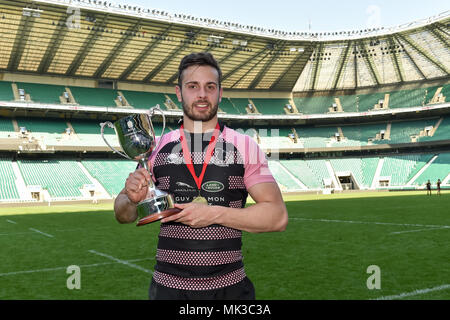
(138,140)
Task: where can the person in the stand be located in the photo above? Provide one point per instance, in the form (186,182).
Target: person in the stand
(210,170)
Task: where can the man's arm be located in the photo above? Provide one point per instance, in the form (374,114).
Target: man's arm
(267,215)
(124,209)
(135,190)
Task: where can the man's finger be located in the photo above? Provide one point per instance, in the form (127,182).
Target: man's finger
(172,218)
(144,173)
(181,205)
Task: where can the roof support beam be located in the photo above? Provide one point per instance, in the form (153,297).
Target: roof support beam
(144,54)
(295,68)
(126,38)
(86,47)
(342,61)
(164,63)
(316,66)
(25,25)
(369,63)
(175,75)
(422,52)
(396,61)
(53,47)
(355,66)
(412,61)
(245,74)
(239,66)
(234,51)
(441,28)
(438,36)
(267,65)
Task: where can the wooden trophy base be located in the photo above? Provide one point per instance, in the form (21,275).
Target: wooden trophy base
(157,216)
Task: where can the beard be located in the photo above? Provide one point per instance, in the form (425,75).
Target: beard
(189,111)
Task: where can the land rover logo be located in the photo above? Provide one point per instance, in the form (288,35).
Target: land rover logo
(213,186)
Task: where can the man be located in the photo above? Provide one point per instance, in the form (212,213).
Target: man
(438,185)
(428,188)
(210,169)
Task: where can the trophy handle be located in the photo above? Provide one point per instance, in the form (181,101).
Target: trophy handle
(109,124)
(151,112)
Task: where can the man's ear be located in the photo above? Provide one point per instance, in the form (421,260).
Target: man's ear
(220,94)
(178,92)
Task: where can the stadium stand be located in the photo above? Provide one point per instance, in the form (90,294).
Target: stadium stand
(270,106)
(110,173)
(408,131)
(6,93)
(303,172)
(439,169)
(6,127)
(400,168)
(285,179)
(42,93)
(144,100)
(100,97)
(364,121)
(61,178)
(103,97)
(8,189)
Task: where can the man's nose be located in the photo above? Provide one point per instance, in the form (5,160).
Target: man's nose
(201,92)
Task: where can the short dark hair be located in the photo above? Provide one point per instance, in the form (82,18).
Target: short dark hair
(199,59)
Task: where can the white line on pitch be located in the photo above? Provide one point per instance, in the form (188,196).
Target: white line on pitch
(415,292)
(64,268)
(39,231)
(418,230)
(127,263)
(11,221)
(14,233)
(370,222)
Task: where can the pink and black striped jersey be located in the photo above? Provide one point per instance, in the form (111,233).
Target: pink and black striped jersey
(211,257)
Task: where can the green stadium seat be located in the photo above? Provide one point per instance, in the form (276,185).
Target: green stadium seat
(8,189)
(303,172)
(400,168)
(144,100)
(407,98)
(283,178)
(110,173)
(61,178)
(99,97)
(314,105)
(439,169)
(42,93)
(270,106)
(6,93)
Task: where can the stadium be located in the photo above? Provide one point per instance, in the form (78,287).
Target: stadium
(354,124)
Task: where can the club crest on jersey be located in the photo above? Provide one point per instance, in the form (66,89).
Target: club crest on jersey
(213,186)
(174,158)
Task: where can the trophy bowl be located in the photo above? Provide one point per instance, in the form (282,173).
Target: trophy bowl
(138,140)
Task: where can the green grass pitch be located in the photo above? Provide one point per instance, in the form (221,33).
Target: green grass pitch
(329,243)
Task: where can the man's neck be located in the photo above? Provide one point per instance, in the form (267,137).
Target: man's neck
(199,126)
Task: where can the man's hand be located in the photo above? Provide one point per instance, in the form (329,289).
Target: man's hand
(136,185)
(195,215)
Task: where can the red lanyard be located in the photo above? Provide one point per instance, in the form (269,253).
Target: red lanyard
(209,152)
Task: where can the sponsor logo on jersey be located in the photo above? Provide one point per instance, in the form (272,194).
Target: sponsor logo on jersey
(213,186)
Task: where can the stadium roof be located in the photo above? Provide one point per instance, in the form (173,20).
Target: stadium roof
(129,43)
